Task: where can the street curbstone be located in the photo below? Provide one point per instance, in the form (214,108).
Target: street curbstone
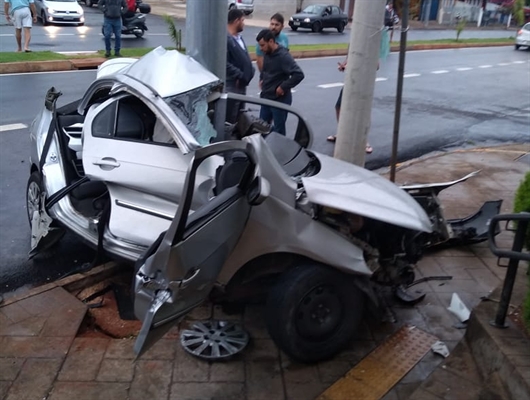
(35,66)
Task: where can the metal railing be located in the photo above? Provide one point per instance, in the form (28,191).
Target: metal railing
(515,255)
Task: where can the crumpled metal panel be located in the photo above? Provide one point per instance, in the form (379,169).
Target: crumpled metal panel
(377,373)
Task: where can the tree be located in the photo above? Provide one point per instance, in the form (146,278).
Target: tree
(518,11)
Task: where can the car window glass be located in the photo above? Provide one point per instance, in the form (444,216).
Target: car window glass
(103,124)
(335,11)
(526,27)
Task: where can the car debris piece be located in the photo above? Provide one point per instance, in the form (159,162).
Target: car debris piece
(458,308)
(440,348)
(214,340)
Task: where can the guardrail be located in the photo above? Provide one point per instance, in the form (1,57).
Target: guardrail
(515,255)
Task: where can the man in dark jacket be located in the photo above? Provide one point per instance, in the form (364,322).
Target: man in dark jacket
(239,69)
(279,75)
(112,12)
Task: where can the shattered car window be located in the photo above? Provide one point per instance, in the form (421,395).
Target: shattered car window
(192,109)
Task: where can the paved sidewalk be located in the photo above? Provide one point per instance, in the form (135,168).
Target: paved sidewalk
(43,356)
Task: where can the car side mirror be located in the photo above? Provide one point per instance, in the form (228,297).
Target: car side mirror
(258,191)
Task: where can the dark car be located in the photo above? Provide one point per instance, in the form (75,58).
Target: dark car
(319,16)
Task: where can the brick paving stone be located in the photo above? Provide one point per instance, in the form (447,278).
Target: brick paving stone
(457,286)
(254,322)
(47,303)
(440,323)
(190,369)
(417,374)
(298,373)
(391,395)
(115,370)
(521,361)
(485,277)
(428,266)
(261,350)
(492,264)
(83,360)
(405,390)
(15,312)
(264,380)
(461,363)
(35,379)
(204,311)
(453,386)
(219,314)
(120,348)
(357,350)
(90,391)
(210,391)
(31,346)
(332,370)
(304,391)
(4,387)
(227,371)
(463,262)
(421,394)
(10,367)
(164,349)
(31,326)
(66,321)
(152,380)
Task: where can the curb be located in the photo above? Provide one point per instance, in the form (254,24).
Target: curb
(93,63)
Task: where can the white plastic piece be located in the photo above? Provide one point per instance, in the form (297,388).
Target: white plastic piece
(440,348)
(458,308)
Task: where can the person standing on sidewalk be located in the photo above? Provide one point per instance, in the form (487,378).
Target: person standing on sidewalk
(276,26)
(279,75)
(239,68)
(112,13)
(20,12)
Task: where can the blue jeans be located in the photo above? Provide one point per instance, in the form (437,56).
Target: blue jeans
(271,114)
(112,25)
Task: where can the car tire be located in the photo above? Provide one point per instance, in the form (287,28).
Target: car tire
(294,28)
(316,27)
(44,18)
(313,311)
(33,195)
(341,27)
(517,47)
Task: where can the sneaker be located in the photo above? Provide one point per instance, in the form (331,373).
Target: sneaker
(107,54)
(117,54)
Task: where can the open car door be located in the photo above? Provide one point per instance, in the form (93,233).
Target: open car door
(178,271)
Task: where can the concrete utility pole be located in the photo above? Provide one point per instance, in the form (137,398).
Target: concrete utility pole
(363,54)
(206,34)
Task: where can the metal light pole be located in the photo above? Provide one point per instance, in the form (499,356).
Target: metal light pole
(206,34)
(399,91)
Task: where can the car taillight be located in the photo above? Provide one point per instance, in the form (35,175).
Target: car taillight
(240,1)
(520,32)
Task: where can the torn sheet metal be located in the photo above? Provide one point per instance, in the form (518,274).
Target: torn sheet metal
(458,308)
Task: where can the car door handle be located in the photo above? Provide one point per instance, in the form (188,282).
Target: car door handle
(107,163)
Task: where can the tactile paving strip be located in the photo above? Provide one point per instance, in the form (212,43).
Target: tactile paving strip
(378,372)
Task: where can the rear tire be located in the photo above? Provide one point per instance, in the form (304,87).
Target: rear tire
(317,27)
(341,27)
(313,311)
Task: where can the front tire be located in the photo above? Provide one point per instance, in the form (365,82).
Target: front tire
(313,311)
(44,19)
(341,27)
(294,28)
(33,195)
(517,47)
(317,27)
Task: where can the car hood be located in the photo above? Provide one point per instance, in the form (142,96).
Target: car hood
(63,6)
(304,15)
(166,72)
(353,189)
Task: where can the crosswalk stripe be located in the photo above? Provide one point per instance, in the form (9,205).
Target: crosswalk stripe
(12,127)
(330,85)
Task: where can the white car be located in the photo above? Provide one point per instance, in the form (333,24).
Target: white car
(145,168)
(60,12)
(247,6)
(523,37)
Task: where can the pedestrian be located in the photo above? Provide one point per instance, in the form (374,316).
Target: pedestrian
(112,13)
(22,13)
(279,75)
(276,26)
(239,68)
(391,18)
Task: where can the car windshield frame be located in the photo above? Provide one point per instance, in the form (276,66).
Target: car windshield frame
(314,9)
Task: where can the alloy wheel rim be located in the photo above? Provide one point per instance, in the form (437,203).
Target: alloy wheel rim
(33,199)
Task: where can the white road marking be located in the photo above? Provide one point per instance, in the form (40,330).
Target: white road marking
(381,79)
(411,75)
(464,69)
(12,127)
(519,62)
(485,66)
(441,71)
(330,85)
(503,64)
(6,34)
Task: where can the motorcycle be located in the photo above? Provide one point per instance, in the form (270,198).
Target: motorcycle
(146,168)
(134,23)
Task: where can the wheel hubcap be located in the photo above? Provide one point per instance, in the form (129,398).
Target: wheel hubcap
(33,199)
(319,313)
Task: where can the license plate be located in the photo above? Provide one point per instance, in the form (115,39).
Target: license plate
(68,18)
(296,23)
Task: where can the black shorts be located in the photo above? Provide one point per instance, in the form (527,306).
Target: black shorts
(339,100)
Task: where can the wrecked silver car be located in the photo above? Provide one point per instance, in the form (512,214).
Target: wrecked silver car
(146,168)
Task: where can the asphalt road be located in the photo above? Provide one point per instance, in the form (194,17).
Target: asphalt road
(65,38)
(452,98)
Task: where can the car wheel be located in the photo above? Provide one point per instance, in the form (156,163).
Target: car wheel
(317,27)
(44,18)
(341,26)
(33,195)
(294,28)
(313,311)
(88,3)
(517,47)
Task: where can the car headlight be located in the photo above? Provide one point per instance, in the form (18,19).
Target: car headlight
(291,19)
(51,10)
(307,20)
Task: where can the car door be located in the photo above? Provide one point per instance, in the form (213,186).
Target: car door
(335,17)
(178,271)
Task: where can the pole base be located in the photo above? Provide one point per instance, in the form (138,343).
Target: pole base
(501,326)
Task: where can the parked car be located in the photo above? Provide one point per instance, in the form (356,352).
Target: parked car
(318,17)
(90,3)
(523,37)
(60,12)
(145,168)
(247,6)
